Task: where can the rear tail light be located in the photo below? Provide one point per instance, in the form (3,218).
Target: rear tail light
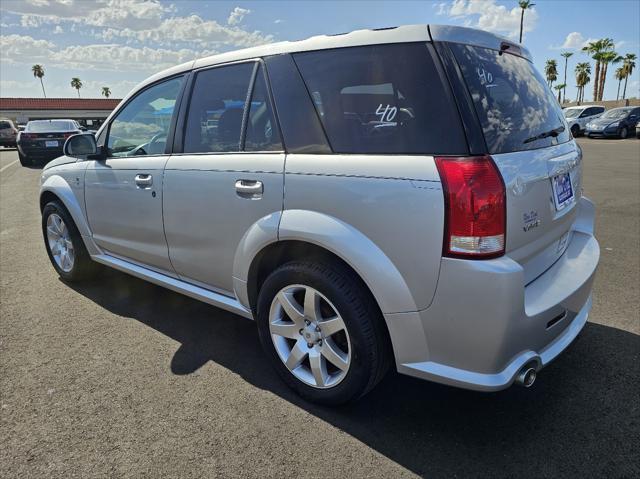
(27,136)
(67,135)
(475,207)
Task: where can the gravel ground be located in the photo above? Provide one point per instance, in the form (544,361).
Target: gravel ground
(120,378)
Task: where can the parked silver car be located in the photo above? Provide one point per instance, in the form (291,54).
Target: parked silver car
(373,198)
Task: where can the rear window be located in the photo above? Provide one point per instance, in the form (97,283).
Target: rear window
(515,107)
(5,125)
(382,99)
(53,125)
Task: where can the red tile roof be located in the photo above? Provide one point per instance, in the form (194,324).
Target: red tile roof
(58,103)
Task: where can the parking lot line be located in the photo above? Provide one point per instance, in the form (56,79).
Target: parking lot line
(7,166)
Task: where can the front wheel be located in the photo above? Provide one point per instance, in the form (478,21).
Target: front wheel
(575,131)
(322,331)
(64,244)
(623,132)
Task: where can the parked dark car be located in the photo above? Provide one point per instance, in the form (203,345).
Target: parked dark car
(42,140)
(8,133)
(618,123)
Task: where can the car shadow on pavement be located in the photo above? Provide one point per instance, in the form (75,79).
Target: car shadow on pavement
(581,417)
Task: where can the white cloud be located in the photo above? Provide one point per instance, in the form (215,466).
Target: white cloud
(278,20)
(19,48)
(191,29)
(574,40)
(58,30)
(237,15)
(488,15)
(90,88)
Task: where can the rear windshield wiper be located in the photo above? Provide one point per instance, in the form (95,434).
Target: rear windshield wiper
(545,134)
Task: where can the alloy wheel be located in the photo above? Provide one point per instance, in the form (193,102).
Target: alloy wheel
(310,336)
(60,243)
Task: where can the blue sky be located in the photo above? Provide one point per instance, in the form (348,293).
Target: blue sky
(118,43)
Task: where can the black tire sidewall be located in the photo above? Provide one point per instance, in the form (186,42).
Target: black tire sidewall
(626,132)
(349,303)
(81,255)
(575,131)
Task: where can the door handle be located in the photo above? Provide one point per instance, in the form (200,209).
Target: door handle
(143,181)
(251,189)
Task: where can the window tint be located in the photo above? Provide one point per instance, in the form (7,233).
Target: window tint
(5,125)
(142,126)
(382,99)
(216,109)
(515,107)
(262,131)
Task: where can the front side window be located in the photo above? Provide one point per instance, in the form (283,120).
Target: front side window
(216,109)
(383,99)
(142,126)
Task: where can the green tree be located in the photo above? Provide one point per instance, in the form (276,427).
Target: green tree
(106,91)
(628,63)
(524,5)
(620,75)
(77,84)
(38,72)
(582,71)
(597,49)
(560,87)
(551,71)
(606,58)
(566,56)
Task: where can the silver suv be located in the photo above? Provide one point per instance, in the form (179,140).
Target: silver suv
(409,196)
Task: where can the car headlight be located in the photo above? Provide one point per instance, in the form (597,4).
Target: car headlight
(613,125)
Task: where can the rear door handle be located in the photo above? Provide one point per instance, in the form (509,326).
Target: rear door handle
(251,189)
(143,180)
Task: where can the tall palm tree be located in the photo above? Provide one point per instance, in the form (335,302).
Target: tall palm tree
(38,72)
(77,84)
(524,5)
(551,71)
(582,71)
(106,92)
(596,49)
(629,63)
(566,56)
(606,58)
(620,75)
(560,87)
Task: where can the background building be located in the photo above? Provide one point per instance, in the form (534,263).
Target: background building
(90,112)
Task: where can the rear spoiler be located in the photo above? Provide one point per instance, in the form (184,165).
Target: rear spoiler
(479,38)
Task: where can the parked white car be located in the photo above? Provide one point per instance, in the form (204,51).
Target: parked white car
(578,117)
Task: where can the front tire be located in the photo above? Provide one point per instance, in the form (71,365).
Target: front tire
(575,131)
(623,132)
(64,244)
(322,331)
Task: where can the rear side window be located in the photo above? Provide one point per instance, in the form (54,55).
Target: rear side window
(382,99)
(216,109)
(5,125)
(516,109)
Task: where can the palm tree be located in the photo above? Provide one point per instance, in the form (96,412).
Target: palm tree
(524,5)
(38,72)
(106,92)
(560,87)
(596,49)
(566,56)
(582,71)
(606,58)
(629,63)
(77,84)
(551,71)
(620,75)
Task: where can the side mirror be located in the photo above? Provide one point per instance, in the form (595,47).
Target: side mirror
(80,145)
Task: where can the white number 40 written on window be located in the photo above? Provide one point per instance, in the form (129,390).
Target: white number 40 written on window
(386,112)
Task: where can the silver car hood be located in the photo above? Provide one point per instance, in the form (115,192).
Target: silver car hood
(62,160)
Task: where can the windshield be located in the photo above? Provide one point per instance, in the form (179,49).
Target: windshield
(515,107)
(617,113)
(50,125)
(572,113)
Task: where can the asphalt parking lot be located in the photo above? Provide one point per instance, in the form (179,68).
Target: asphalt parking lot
(120,378)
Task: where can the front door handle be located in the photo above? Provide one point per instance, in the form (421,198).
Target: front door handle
(144,181)
(251,189)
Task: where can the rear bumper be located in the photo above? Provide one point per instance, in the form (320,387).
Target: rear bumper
(484,324)
(40,153)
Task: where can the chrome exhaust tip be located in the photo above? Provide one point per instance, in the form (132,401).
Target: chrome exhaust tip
(526,377)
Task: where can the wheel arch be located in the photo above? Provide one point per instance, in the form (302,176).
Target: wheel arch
(56,188)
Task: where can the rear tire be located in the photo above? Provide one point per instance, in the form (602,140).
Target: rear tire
(64,244)
(307,343)
(623,132)
(575,131)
